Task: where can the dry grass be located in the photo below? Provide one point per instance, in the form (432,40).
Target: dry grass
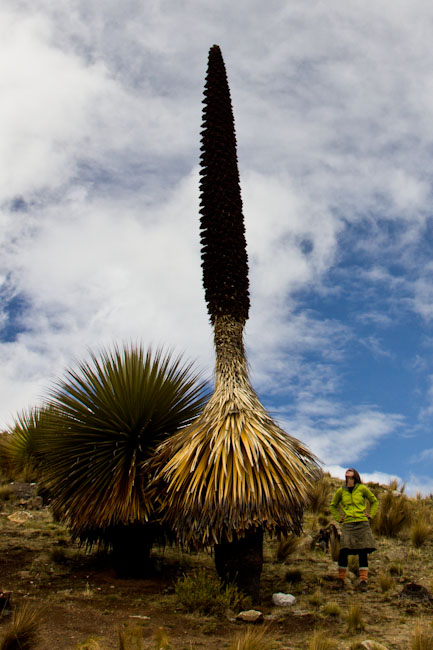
(287,547)
(422,638)
(23,632)
(131,638)
(162,642)
(320,641)
(395,514)
(6,492)
(316,599)
(319,495)
(385,581)
(332,609)
(420,531)
(254,638)
(355,621)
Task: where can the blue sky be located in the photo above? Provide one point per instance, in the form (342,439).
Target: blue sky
(99,150)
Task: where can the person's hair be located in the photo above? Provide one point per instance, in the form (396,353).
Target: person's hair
(355,475)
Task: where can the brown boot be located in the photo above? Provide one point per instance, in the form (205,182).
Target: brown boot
(341,578)
(363,579)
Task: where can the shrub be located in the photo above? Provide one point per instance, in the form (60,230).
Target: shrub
(422,638)
(320,642)
(394,514)
(23,632)
(355,621)
(287,547)
(201,592)
(419,532)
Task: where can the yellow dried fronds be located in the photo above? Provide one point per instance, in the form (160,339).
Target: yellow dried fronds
(234,468)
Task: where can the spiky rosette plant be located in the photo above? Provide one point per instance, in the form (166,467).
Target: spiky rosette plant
(233,471)
(101,422)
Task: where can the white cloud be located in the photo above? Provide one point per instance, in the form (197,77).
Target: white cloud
(99,133)
(338,437)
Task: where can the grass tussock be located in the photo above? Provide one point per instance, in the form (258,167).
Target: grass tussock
(23,631)
(355,620)
(385,581)
(294,576)
(162,641)
(203,593)
(420,531)
(6,492)
(131,638)
(396,569)
(320,641)
(332,610)
(422,638)
(254,638)
(287,547)
(316,598)
(319,495)
(395,513)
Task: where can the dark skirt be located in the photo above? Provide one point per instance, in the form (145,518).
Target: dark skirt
(357,536)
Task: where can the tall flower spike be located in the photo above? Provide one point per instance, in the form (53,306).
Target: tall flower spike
(224,256)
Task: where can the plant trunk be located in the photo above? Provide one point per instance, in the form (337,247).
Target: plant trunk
(240,562)
(131,550)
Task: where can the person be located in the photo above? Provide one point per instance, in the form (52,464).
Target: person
(356,535)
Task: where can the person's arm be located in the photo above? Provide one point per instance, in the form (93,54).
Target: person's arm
(334,505)
(373,501)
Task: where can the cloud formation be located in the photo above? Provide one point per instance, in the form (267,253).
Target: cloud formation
(99,242)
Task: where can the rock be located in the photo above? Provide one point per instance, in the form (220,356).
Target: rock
(20,516)
(283,600)
(250,616)
(413,591)
(368,644)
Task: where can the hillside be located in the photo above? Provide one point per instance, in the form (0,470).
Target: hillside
(78,596)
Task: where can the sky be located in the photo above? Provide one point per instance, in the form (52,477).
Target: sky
(99,229)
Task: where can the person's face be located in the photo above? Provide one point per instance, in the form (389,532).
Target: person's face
(350,478)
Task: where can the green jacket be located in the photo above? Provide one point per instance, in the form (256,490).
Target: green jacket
(353,503)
